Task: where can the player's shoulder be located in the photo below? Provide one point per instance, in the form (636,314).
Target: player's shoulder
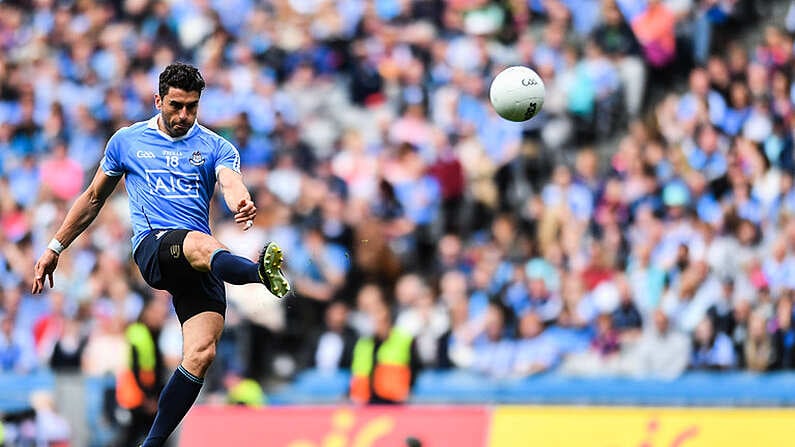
(210,136)
(208,133)
(131,131)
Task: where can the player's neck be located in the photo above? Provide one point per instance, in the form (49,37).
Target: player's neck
(160,125)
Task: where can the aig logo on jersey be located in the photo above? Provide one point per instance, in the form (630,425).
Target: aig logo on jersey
(172,184)
(196,159)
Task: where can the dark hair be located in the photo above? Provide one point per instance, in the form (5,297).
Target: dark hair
(182,76)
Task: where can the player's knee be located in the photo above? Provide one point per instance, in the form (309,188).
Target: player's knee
(198,248)
(200,356)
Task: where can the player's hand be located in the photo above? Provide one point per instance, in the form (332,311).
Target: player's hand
(43,269)
(246,211)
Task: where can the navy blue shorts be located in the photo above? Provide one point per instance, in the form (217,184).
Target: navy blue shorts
(163,265)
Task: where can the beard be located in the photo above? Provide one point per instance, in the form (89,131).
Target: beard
(178,129)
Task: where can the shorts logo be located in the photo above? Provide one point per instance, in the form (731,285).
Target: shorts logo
(175,251)
(172,184)
(196,159)
(145,154)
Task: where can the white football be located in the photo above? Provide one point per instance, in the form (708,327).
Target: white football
(517,93)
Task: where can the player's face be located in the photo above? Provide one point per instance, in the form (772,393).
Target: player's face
(178,109)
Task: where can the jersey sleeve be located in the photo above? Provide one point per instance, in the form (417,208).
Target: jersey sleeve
(111,163)
(228,157)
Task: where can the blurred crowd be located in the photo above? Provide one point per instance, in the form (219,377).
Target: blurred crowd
(375,160)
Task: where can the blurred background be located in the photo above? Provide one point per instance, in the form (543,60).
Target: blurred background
(634,244)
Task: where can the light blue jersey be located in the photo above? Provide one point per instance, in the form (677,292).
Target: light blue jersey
(169,180)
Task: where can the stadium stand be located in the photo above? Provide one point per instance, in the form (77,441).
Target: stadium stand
(632,244)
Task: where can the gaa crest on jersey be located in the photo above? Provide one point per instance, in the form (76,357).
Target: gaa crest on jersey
(196,159)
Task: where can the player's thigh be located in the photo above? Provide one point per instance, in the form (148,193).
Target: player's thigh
(198,248)
(200,334)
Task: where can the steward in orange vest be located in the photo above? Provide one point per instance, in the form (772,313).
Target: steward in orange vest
(385,365)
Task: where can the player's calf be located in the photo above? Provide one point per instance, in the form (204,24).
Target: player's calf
(199,357)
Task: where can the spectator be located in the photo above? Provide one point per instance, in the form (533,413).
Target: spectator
(68,350)
(708,152)
(606,342)
(617,40)
(654,28)
(49,329)
(419,195)
(17,351)
(450,256)
(680,303)
(602,356)
(427,321)
(626,318)
(779,267)
(722,312)
(368,298)
(536,352)
(759,353)
(739,109)
(356,166)
(542,298)
(105,351)
(24,182)
(708,15)
(494,351)
(449,173)
(711,350)
(373,260)
(567,195)
(784,335)
(742,312)
(331,348)
(456,345)
(599,268)
(62,175)
(646,280)
(700,95)
(319,270)
(661,352)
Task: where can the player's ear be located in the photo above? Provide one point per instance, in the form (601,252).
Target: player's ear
(158,101)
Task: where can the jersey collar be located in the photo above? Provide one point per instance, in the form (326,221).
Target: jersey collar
(152,124)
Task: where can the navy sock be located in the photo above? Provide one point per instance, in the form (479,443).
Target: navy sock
(233,269)
(175,401)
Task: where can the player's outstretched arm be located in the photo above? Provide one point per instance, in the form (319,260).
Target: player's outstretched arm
(236,195)
(79,217)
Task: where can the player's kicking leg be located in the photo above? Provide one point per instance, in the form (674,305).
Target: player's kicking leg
(193,265)
(205,253)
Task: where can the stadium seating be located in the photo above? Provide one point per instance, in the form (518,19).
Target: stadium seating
(460,387)
(15,389)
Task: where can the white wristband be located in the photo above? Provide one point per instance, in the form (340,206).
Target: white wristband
(56,246)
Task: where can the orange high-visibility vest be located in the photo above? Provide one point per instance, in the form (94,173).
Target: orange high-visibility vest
(391,372)
(128,394)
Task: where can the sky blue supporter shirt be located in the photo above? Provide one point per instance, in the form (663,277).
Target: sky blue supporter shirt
(169,180)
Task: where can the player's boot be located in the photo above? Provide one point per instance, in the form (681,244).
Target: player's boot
(270,270)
